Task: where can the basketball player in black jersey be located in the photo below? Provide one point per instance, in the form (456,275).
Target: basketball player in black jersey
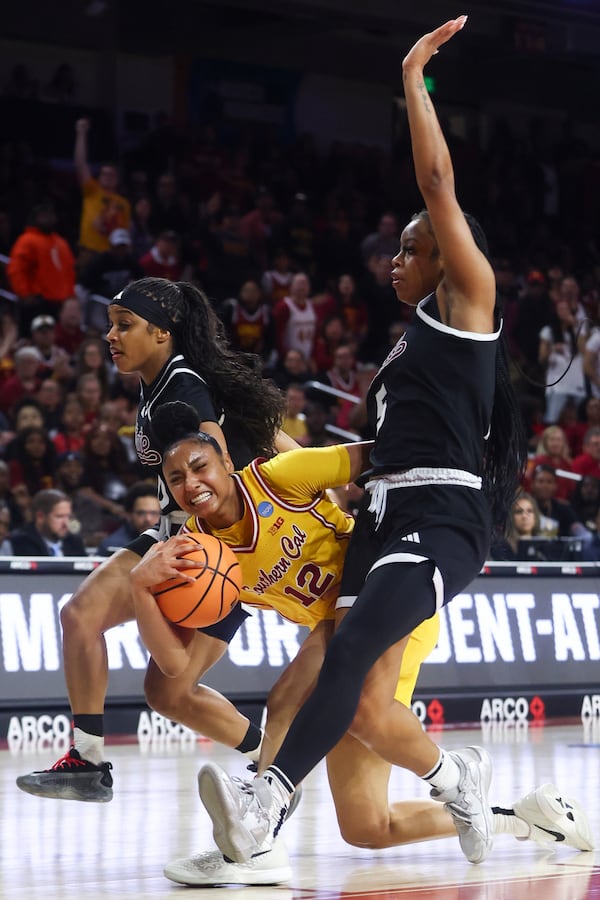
(168,333)
(447,459)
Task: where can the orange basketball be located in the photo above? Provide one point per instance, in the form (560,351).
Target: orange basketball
(214,592)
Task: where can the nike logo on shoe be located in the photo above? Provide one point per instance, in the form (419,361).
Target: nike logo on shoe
(557,835)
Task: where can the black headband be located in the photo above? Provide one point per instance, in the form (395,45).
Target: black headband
(144,307)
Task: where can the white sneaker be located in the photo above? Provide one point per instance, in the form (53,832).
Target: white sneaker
(553,819)
(245,819)
(468,803)
(210,868)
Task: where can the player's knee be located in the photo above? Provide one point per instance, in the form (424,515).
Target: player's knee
(363,831)
(367,720)
(160,695)
(74,617)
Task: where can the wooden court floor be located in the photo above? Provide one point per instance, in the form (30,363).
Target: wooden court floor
(63,849)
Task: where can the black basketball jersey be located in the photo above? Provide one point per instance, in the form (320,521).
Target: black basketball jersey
(177,381)
(431,402)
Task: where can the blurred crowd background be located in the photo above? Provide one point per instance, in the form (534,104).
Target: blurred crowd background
(291,236)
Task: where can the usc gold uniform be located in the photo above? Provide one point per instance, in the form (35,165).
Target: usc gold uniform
(292,540)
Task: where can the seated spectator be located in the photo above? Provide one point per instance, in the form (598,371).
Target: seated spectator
(112,270)
(587,416)
(27,413)
(25,382)
(34,460)
(55,362)
(169,208)
(50,398)
(89,393)
(591,549)
(71,430)
(163,260)
(561,349)
(93,516)
(7,497)
(384,241)
(352,308)
(69,333)
(330,335)
(92,356)
(5,527)
(343,376)
(116,416)
(293,367)
(317,416)
(294,421)
(276,282)
(142,511)
(49,533)
(588,462)
(106,467)
(553,450)
(262,226)
(558,517)
(248,322)
(524,523)
(585,500)
(142,236)
(230,257)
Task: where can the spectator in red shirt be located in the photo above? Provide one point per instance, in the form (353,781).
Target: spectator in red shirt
(588,462)
(162,260)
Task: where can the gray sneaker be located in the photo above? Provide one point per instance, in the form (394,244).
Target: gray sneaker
(71,778)
(553,819)
(468,803)
(245,819)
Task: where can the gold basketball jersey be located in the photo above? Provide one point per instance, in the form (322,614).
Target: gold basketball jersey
(291,540)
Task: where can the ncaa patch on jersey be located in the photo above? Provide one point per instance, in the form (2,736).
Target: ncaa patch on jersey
(265,509)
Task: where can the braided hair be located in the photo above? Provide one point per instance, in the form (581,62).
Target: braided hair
(253,405)
(177,421)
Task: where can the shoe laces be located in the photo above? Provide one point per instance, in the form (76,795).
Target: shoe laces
(249,798)
(462,803)
(68,761)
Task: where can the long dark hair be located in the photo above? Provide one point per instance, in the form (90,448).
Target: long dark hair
(506,449)
(253,405)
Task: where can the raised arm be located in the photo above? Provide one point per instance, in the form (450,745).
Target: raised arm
(82,126)
(467,292)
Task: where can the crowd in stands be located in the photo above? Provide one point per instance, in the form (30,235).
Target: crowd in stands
(293,247)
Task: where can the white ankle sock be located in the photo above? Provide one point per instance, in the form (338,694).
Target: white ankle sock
(281,788)
(506,822)
(445,774)
(89,746)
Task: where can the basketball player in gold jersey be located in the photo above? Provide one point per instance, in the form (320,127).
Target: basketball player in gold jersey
(290,540)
